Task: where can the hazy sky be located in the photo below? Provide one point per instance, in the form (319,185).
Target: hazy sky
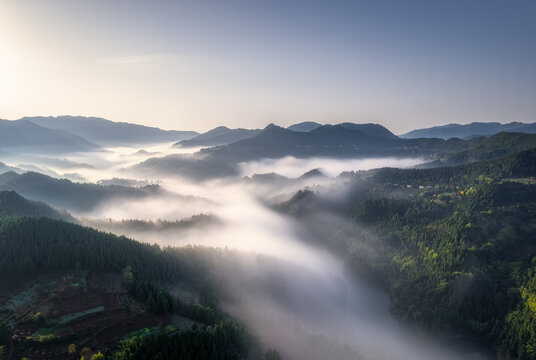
(199,64)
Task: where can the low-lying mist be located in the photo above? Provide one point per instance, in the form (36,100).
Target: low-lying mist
(293,167)
(294,295)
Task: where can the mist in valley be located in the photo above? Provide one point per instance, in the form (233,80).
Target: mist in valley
(291,292)
(267,180)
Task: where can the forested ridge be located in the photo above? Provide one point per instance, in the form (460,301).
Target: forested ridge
(12,204)
(488,148)
(521,164)
(458,262)
(64,193)
(454,246)
(226,342)
(33,245)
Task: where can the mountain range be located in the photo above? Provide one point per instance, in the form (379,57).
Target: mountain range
(69,134)
(342,140)
(24,136)
(470,130)
(109,133)
(336,141)
(333,141)
(221,135)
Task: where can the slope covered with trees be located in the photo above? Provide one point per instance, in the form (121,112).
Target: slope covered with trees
(455,246)
(12,204)
(64,193)
(36,245)
(469,130)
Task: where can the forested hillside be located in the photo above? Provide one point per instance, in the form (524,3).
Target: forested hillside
(470,130)
(520,164)
(454,246)
(482,148)
(64,193)
(12,204)
(31,246)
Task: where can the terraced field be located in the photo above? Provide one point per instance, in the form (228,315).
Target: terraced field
(58,316)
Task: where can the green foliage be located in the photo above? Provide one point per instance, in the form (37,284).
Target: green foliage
(463,263)
(455,246)
(12,204)
(228,341)
(159,301)
(63,193)
(32,245)
(520,164)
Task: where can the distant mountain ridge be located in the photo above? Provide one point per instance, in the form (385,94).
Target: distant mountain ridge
(105,132)
(342,140)
(367,128)
(332,141)
(24,136)
(470,130)
(221,135)
(335,141)
(370,129)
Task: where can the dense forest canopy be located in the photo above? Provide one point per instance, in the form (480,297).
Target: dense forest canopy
(454,246)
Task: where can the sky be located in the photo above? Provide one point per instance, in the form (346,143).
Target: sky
(195,65)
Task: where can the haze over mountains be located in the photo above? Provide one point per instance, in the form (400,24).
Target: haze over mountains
(327,141)
(65,134)
(305,126)
(221,135)
(109,133)
(70,134)
(26,136)
(470,130)
(257,225)
(63,193)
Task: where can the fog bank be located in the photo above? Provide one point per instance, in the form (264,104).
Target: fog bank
(295,296)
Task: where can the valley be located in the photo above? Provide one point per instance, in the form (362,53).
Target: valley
(305,256)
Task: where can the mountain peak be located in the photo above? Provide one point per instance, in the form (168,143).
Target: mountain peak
(305,126)
(272,126)
(313,173)
(274,129)
(370,129)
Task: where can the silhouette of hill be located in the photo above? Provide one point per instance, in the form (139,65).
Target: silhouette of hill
(218,136)
(470,130)
(370,129)
(24,136)
(107,133)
